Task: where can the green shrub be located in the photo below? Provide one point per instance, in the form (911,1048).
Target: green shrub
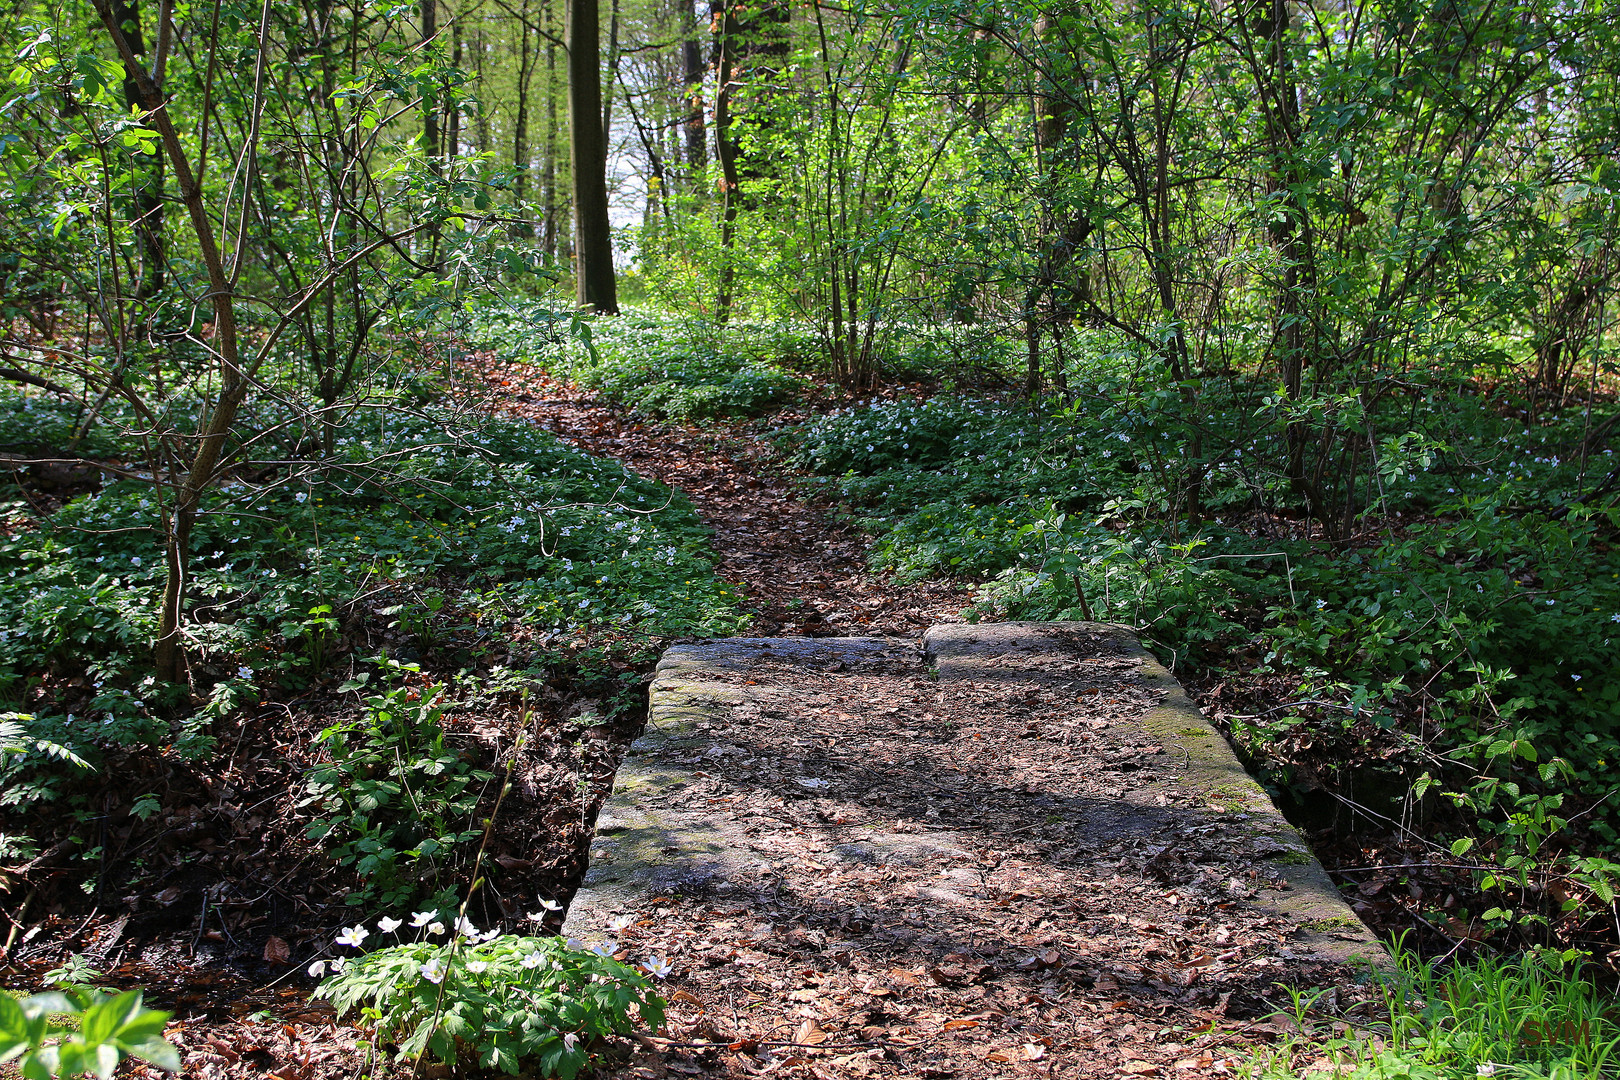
(456,534)
(1494,616)
(101,1031)
(662,367)
(529,528)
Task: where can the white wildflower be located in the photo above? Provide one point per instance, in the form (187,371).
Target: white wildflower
(354,935)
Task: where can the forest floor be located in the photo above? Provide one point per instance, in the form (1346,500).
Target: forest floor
(806,574)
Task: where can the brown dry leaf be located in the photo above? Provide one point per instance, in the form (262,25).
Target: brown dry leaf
(1140,1068)
(810,1034)
(1202,1061)
(276,951)
(997,1055)
(960,1025)
(1106,981)
(686,998)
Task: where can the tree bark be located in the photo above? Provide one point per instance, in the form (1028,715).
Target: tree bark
(595,288)
(725,148)
(452,110)
(520,127)
(146,183)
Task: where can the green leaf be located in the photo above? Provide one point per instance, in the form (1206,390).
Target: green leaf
(103,1060)
(1459,848)
(157,1051)
(105,1018)
(48,1003)
(41,1065)
(144,1025)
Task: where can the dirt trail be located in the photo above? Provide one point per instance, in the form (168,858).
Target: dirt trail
(804,572)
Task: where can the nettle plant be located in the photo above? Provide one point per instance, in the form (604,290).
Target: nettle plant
(504,1001)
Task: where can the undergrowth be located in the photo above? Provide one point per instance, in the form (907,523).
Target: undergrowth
(659,366)
(489,548)
(671,367)
(1538,1015)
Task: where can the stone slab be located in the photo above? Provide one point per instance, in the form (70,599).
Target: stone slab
(658,834)
(648,840)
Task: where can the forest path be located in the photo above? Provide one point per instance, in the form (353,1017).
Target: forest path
(804,572)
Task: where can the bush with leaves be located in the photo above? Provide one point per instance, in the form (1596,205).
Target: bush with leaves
(660,366)
(1482,615)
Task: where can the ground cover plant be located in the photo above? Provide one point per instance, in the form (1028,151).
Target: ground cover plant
(435,571)
(661,366)
(504,1001)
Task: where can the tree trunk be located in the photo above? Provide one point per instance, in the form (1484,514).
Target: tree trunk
(209,443)
(452,109)
(593,240)
(725,148)
(520,127)
(1288,232)
(697,148)
(549,228)
(430,122)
